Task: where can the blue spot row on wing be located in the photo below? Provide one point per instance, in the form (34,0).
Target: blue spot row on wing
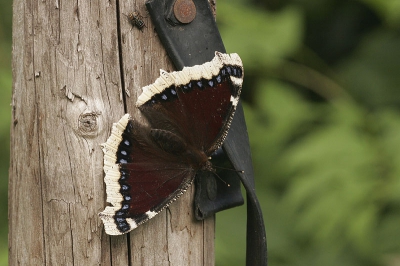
(169,94)
(123,158)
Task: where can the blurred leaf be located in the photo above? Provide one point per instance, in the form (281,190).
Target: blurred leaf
(5,115)
(388,9)
(388,123)
(340,179)
(260,37)
(372,72)
(5,100)
(231,228)
(388,234)
(280,112)
(4,254)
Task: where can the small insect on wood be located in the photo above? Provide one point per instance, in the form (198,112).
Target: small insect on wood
(136,20)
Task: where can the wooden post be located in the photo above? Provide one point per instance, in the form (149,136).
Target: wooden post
(72,62)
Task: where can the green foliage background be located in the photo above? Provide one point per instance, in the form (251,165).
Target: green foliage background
(321,98)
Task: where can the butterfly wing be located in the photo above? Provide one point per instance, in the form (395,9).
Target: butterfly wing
(141,178)
(198,102)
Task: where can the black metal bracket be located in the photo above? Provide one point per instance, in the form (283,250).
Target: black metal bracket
(190,36)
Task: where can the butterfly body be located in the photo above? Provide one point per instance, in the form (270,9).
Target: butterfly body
(149,166)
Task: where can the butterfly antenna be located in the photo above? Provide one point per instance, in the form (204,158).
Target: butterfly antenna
(223,181)
(230,169)
(225,168)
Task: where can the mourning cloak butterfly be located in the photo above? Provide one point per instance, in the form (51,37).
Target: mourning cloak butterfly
(148,167)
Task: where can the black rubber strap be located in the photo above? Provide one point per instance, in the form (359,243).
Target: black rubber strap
(192,44)
(237,148)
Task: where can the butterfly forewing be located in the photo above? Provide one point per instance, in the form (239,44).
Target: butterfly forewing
(199,116)
(200,110)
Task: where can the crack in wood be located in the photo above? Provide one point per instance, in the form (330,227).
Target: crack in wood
(71,95)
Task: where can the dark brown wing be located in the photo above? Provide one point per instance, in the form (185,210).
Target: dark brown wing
(197,103)
(142,177)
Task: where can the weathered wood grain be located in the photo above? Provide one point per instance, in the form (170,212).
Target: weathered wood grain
(71,65)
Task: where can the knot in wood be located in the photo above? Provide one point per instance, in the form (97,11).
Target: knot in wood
(87,124)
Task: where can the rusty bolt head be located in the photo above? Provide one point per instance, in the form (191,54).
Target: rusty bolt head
(184,11)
